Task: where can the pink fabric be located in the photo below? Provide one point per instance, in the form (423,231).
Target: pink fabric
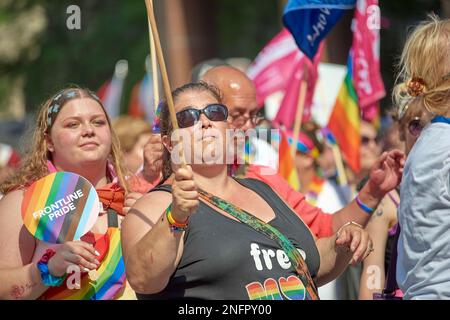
(269,69)
(399,293)
(50,166)
(302,138)
(139,184)
(320,223)
(366,55)
(301,69)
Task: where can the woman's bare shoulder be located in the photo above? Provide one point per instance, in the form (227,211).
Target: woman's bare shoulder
(149,207)
(11,204)
(16,243)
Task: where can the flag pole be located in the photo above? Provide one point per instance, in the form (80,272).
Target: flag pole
(299,116)
(154,65)
(343,181)
(165,78)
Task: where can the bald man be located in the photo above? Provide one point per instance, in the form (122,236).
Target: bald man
(239,95)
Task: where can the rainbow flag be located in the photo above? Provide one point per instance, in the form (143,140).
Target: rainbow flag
(344,121)
(110,282)
(328,136)
(286,166)
(314,189)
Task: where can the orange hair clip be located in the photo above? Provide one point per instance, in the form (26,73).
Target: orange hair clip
(416,86)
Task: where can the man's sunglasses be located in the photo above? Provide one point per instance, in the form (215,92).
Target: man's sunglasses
(214,112)
(415,127)
(365,140)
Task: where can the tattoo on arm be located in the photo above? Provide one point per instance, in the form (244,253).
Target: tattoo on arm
(18,291)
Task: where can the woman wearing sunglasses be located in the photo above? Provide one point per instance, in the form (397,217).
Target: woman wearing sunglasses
(241,241)
(424,212)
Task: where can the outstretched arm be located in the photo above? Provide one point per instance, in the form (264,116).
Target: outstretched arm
(385,176)
(373,273)
(351,244)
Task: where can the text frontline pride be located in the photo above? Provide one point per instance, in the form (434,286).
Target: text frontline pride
(60,207)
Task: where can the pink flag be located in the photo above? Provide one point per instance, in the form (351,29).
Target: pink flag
(301,68)
(269,69)
(366,54)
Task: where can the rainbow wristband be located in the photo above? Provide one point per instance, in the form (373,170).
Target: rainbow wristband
(174,225)
(364,207)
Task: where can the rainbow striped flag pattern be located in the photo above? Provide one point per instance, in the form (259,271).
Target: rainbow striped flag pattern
(60,207)
(111,275)
(344,121)
(327,135)
(286,166)
(314,189)
(248,152)
(156,127)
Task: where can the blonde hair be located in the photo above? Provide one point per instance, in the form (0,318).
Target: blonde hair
(128,130)
(34,166)
(425,68)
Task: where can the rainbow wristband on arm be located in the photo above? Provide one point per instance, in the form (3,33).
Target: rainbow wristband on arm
(363,206)
(175,226)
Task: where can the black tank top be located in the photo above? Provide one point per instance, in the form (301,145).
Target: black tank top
(224,259)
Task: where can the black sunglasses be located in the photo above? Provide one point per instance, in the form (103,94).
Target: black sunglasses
(214,112)
(365,140)
(415,127)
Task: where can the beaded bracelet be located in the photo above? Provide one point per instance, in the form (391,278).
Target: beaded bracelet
(364,207)
(175,225)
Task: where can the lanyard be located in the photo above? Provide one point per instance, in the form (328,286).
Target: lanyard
(294,256)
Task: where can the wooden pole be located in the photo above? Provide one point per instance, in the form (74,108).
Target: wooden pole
(165,78)
(339,165)
(299,116)
(154,65)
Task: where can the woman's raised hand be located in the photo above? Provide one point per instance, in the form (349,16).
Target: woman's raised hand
(355,240)
(184,194)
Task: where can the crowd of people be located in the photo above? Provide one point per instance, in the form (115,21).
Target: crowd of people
(180,218)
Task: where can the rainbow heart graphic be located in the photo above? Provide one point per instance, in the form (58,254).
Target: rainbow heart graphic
(292,288)
(60,207)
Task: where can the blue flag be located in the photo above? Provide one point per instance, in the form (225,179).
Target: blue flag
(309,21)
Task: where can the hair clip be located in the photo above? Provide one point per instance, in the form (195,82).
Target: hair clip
(71,94)
(416,86)
(53,109)
(57,96)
